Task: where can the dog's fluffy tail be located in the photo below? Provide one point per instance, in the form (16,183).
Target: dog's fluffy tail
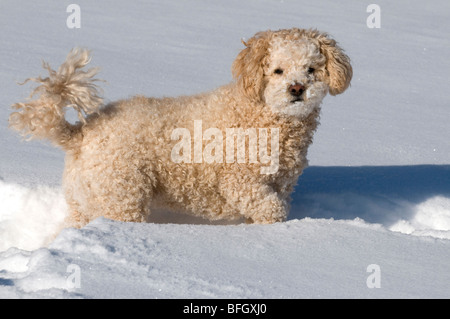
(70,86)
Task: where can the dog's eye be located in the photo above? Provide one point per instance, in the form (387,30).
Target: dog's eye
(278,71)
(311,70)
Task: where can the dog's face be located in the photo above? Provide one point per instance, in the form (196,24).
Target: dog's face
(290,83)
(292,70)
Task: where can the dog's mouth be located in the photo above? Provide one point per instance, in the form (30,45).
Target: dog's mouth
(297,99)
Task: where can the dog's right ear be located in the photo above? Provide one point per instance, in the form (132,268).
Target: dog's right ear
(248,67)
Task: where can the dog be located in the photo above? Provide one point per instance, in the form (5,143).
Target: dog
(132,156)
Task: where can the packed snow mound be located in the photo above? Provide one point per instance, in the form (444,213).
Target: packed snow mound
(299,258)
(30,217)
(432,218)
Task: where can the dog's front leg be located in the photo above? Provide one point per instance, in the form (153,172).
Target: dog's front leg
(267,209)
(257,203)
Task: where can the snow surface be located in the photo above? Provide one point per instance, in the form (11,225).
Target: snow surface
(377,191)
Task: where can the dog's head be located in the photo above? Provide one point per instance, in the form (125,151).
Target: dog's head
(292,70)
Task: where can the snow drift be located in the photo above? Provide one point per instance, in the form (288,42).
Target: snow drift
(298,259)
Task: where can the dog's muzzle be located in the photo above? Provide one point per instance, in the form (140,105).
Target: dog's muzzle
(296,90)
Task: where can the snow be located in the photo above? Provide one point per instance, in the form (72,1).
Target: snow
(235,261)
(377,191)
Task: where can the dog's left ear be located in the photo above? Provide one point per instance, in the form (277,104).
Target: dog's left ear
(248,67)
(340,71)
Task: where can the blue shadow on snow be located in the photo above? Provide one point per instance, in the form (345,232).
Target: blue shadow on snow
(377,194)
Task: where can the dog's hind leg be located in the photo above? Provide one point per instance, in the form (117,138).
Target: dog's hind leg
(122,195)
(120,204)
(124,198)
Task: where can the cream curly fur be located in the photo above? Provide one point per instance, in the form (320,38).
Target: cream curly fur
(118,157)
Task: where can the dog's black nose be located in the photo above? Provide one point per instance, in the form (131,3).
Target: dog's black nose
(296,89)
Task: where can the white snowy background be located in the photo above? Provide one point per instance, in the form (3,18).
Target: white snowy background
(377,191)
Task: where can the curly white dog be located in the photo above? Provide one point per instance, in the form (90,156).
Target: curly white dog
(120,157)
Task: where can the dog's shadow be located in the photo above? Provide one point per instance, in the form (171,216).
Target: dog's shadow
(376,194)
